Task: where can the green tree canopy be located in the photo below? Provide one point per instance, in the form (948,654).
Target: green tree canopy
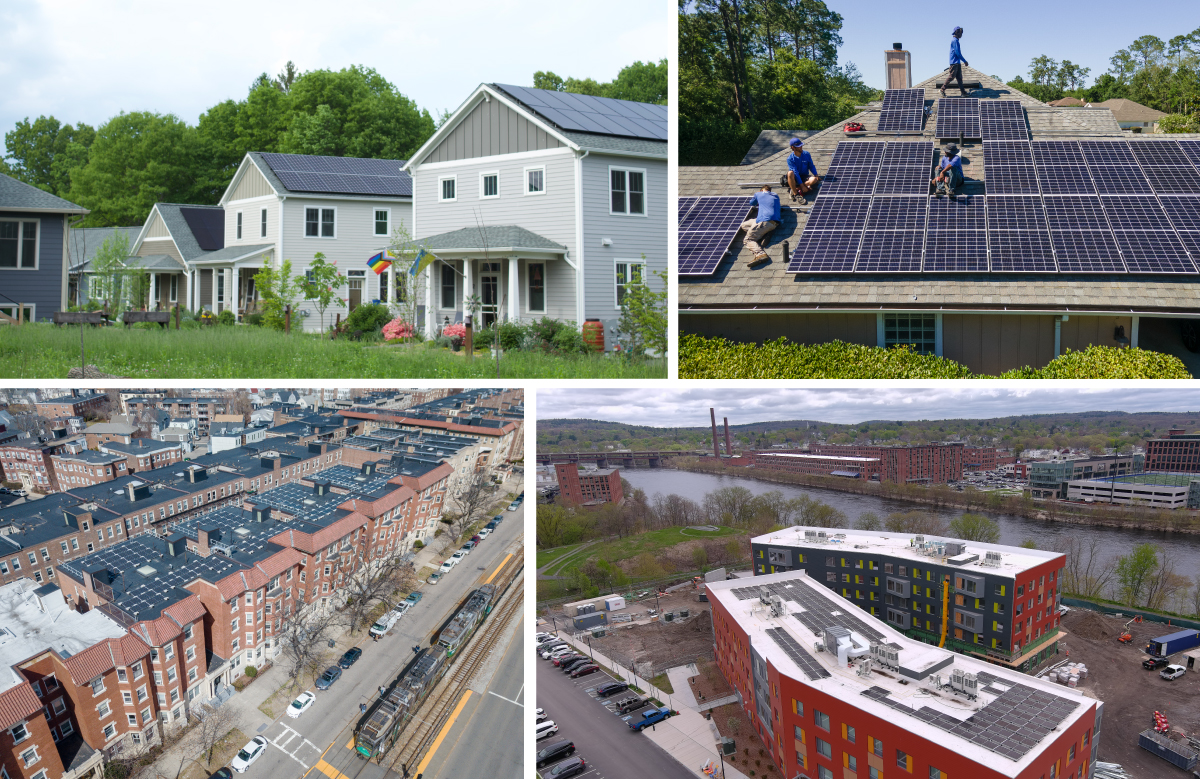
(44,151)
(975,527)
(643,82)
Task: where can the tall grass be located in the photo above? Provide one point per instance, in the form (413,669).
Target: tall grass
(47,351)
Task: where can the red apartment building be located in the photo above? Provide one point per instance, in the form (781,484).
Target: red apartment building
(105,432)
(83,469)
(923,463)
(75,405)
(873,702)
(28,461)
(980,458)
(819,464)
(588,488)
(145,454)
(1179,452)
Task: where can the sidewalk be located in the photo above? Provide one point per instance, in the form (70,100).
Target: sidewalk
(688,736)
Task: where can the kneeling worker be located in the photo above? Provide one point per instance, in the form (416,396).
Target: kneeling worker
(758,228)
(949,178)
(802,173)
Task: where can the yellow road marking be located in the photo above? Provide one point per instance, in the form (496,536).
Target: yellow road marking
(437,742)
(350,745)
(329,770)
(309,771)
(499,568)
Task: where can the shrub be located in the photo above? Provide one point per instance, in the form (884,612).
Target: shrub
(544,330)
(512,336)
(717,358)
(227,317)
(418,544)
(369,317)
(251,671)
(254,319)
(397,328)
(568,340)
(1107,362)
(443,341)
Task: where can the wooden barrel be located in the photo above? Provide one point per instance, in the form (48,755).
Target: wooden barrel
(593,334)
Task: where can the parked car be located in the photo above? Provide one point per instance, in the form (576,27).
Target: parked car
(19,493)
(4,490)
(565,660)
(1154,663)
(301,704)
(612,688)
(248,754)
(492,525)
(331,675)
(584,670)
(467,547)
(221,773)
(498,518)
(572,767)
(476,538)
(558,652)
(514,506)
(385,623)
(446,566)
(627,705)
(540,715)
(1172,672)
(543,729)
(484,533)
(433,578)
(350,657)
(556,751)
(540,636)
(413,599)
(648,718)
(550,649)
(458,556)
(571,662)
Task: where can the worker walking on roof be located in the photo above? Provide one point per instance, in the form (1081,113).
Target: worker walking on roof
(758,228)
(802,173)
(949,178)
(956,63)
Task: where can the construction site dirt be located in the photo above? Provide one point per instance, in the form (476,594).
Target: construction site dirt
(1130,693)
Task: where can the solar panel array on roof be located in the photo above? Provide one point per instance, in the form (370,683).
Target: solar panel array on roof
(903,110)
(957,239)
(818,612)
(340,175)
(588,114)
(706,229)
(1002,120)
(957,117)
(207,225)
(798,654)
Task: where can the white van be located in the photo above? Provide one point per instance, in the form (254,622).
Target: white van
(385,623)
(543,729)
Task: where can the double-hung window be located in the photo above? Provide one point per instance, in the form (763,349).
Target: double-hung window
(628,190)
(262,223)
(537,286)
(489,185)
(535,181)
(383,218)
(239,225)
(448,274)
(320,222)
(448,189)
(628,272)
(18,244)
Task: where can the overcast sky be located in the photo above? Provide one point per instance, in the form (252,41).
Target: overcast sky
(1001,38)
(87,61)
(688,407)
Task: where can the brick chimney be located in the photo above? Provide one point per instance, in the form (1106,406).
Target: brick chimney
(897,65)
(712,412)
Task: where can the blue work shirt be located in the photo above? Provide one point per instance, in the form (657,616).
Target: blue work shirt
(768,206)
(800,164)
(956,56)
(955,162)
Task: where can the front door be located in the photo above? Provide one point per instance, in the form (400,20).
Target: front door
(490,297)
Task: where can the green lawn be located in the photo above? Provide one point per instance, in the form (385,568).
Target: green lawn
(623,548)
(545,556)
(46,351)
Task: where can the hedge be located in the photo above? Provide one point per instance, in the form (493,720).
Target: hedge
(718,358)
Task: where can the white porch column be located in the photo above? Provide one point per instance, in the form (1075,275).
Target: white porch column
(153,291)
(435,267)
(392,303)
(213,291)
(193,284)
(237,281)
(468,283)
(514,290)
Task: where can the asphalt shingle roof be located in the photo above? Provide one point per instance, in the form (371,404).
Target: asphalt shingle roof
(84,242)
(615,143)
(234,252)
(16,195)
(497,238)
(769,285)
(181,231)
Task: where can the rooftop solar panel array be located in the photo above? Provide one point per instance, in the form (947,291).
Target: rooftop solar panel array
(589,114)
(819,611)
(799,655)
(956,241)
(957,117)
(1002,120)
(341,175)
(903,110)
(706,229)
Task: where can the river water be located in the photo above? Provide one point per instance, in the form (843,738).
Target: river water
(1013,529)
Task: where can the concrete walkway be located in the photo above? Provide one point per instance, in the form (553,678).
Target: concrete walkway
(679,676)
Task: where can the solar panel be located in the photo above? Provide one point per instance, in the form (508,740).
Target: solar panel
(857,154)
(903,110)
(842,213)
(1192,150)
(1117,180)
(897,213)
(1011,180)
(1075,211)
(957,116)
(848,181)
(890,251)
(1147,252)
(685,205)
(1168,180)
(707,230)
(1084,250)
(717,213)
(1135,213)
(1191,242)
(1104,153)
(908,154)
(799,655)
(1184,212)
(831,251)
(962,213)
(1020,251)
(1050,153)
(1164,152)
(589,114)
(902,181)
(1002,120)
(342,175)
(701,253)
(1015,213)
(1065,180)
(956,251)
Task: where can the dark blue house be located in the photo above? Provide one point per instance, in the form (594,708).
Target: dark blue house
(33,250)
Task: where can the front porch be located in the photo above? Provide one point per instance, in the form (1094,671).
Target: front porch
(224,280)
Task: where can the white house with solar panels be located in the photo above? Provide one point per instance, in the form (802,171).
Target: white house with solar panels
(541,203)
(1068,233)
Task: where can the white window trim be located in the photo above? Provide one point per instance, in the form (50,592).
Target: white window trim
(11,309)
(237,225)
(262,222)
(440,289)
(525,182)
(617,261)
(319,210)
(389,221)
(441,191)
(485,174)
(645,195)
(528,292)
(37,245)
(173,287)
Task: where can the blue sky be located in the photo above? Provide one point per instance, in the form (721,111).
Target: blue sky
(86,60)
(688,406)
(1001,38)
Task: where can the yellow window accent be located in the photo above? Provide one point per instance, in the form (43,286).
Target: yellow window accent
(844,564)
(793,705)
(772,569)
(978,638)
(929,576)
(908,763)
(875,581)
(995,643)
(871,744)
(846,759)
(760,554)
(800,557)
(996,608)
(917,573)
(843,730)
(1003,589)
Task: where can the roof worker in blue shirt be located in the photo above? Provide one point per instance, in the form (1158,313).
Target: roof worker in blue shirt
(949,178)
(956,63)
(762,225)
(802,173)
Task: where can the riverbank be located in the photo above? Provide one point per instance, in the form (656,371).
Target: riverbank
(941,497)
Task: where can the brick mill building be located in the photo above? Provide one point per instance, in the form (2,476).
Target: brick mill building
(819,464)
(916,463)
(830,690)
(590,487)
(1179,452)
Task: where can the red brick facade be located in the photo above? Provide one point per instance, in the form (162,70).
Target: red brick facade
(589,487)
(926,463)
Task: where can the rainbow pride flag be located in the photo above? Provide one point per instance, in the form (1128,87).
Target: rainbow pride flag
(378,263)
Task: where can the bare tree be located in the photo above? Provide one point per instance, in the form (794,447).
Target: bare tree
(468,504)
(302,640)
(28,420)
(1087,573)
(378,580)
(212,725)
(1164,583)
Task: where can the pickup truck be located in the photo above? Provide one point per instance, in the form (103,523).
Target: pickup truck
(648,718)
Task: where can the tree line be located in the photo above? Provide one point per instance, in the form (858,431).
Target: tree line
(750,65)
(135,159)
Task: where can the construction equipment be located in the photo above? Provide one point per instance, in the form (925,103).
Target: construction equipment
(1125,638)
(945,610)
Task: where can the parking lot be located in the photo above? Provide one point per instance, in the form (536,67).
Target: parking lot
(601,735)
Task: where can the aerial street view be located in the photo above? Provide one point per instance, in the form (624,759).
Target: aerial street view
(951,224)
(342,214)
(282,582)
(860,582)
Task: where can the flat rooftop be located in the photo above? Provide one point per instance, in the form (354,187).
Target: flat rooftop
(30,624)
(822,457)
(1006,727)
(1013,559)
(1155,479)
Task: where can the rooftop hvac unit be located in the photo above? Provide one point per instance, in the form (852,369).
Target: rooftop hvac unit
(864,667)
(991,560)
(822,536)
(964,683)
(764,596)
(955,548)
(810,536)
(819,646)
(919,541)
(776,606)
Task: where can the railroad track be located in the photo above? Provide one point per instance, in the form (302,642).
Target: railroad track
(421,732)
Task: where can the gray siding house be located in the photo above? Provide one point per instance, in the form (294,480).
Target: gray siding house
(540,203)
(33,251)
(83,243)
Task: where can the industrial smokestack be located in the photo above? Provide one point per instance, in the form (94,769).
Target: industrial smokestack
(712,412)
(728,446)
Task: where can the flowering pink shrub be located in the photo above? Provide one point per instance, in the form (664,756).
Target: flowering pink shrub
(397,328)
(455,331)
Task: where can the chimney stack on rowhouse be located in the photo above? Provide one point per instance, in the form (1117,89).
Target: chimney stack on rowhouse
(897,66)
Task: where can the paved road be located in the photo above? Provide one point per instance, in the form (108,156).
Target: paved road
(297,744)
(611,749)
(486,738)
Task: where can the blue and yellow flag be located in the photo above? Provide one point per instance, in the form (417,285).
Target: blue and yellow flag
(378,263)
(424,260)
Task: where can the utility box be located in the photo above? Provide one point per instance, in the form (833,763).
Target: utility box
(588,621)
(615,603)
(728,747)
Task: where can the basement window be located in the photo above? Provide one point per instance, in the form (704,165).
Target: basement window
(920,330)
